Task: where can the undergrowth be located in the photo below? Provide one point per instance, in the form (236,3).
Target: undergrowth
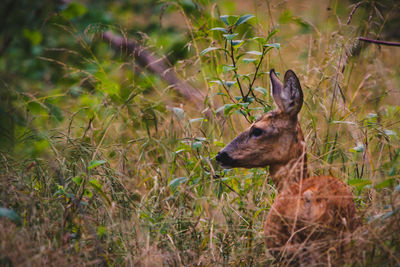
(119,170)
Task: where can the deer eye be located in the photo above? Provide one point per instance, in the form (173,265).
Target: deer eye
(256,132)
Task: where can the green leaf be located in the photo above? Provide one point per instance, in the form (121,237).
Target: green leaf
(217,81)
(343,122)
(392,171)
(257,53)
(229,20)
(107,84)
(224,18)
(219,29)
(197,145)
(260,40)
(226,108)
(55,112)
(226,68)
(179,151)
(229,107)
(249,60)
(34,37)
(219,144)
(261,90)
(271,34)
(98,188)
(77,180)
(386,183)
(305,27)
(222,82)
(179,113)
(95,183)
(177,182)
(74,10)
(220,109)
(230,83)
(243,19)
(101,231)
(205,51)
(359,183)
(240,55)
(359,148)
(60,190)
(88,193)
(230,37)
(274,45)
(11,215)
(95,163)
(237,43)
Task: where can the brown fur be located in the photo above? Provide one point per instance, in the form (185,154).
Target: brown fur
(279,143)
(307,209)
(318,208)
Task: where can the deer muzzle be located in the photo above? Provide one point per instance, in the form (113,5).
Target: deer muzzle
(224,159)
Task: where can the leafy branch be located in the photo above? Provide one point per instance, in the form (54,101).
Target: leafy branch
(232,56)
(264,52)
(247,94)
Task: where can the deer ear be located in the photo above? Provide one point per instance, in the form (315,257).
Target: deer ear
(276,88)
(291,96)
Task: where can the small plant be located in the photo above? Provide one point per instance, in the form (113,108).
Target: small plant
(104,160)
(241,53)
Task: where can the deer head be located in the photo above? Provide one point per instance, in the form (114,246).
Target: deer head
(275,139)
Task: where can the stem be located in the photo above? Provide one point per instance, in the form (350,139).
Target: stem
(378,41)
(227,91)
(255,76)
(234,70)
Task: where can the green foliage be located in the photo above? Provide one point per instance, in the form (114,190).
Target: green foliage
(233,50)
(10,214)
(102,161)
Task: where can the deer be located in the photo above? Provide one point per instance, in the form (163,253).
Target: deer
(309,214)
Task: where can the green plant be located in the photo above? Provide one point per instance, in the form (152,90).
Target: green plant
(103,161)
(235,47)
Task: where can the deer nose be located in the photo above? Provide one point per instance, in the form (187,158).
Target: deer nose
(223,157)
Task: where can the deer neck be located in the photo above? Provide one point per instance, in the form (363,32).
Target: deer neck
(286,174)
(295,169)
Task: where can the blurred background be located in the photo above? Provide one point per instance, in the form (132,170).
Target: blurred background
(112,112)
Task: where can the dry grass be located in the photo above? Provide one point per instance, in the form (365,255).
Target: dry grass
(143,213)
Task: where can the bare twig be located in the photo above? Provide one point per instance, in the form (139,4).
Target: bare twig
(234,70)
(228,93)
(378,42)
(156,65)
(255,77)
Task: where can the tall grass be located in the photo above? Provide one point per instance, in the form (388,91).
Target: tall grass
(132,180)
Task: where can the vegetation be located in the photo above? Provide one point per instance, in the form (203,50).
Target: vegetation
(105,161)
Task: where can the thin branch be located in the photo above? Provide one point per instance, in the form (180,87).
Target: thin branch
(234,70)
(156,65)
(378,42)
(227,91)
(218,178)
(255,77)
